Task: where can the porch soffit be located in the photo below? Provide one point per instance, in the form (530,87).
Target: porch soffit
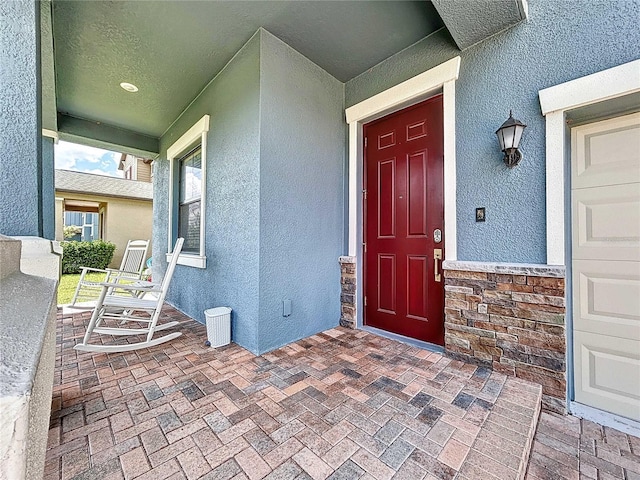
(171,50)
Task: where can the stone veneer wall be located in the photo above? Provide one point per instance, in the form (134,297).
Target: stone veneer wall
(512,319)
(348,292)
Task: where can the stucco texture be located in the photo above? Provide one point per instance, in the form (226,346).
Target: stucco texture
(232,211)
(301,201)
(559,42)
(274,214)
(49,112)
(48,189)
(472,21)
(20,145)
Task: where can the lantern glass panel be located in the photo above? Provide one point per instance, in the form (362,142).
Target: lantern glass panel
(500,139)
(518,135)
(508,134)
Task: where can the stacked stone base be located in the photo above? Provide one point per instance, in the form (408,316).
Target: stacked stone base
(348,292)
(510,318)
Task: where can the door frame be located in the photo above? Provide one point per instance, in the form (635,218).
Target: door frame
(440,79)
(556,102)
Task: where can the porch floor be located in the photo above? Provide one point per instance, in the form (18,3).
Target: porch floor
(341,404)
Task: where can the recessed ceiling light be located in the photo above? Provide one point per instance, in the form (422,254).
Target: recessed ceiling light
(129,87)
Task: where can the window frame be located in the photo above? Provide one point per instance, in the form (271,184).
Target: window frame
(188,201)
(187,142)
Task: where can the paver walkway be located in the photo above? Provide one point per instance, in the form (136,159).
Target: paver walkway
(571,448)
(342,404)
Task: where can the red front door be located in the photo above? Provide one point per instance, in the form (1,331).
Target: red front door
(404,222)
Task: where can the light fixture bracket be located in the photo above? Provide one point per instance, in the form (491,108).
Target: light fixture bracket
(512,157)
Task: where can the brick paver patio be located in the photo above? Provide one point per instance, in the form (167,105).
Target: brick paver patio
(341,404)
(571,448)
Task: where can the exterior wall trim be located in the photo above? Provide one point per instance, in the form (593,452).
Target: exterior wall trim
(554,102)
(607,419)
(51,134)
(438,79)
(599,86)
(197,132)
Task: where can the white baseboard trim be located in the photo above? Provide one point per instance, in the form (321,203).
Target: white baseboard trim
(607,419)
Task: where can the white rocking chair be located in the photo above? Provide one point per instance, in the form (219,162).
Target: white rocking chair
(130,270)
(119,310)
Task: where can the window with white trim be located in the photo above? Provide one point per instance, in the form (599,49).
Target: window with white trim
(187,193)
(189,200)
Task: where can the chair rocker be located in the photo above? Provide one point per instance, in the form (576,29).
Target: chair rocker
(130,270)
(119,310)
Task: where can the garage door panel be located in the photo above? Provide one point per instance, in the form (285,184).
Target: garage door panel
(605,207)
(595,360)
(607,152)
(607,223)
(606,298)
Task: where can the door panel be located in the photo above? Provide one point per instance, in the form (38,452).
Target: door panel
(607,297)
(417,285)
(607,373)
(387,199)
(387,284)
(417,195)
(404,204)
(386,140)
(606,152)
(607,221)
(605,202)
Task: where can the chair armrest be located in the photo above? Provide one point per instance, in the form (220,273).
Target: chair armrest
(91,269)
(146,284)
(124,274)
(115,270)
(152,287)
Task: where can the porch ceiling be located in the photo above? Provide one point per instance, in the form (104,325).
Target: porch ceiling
(171,50)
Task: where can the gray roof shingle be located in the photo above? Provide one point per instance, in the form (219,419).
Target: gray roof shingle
(81,182)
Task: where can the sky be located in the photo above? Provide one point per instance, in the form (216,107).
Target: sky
(79,158)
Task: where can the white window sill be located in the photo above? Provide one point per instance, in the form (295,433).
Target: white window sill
(190,260)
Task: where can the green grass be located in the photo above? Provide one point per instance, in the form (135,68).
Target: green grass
(68,283)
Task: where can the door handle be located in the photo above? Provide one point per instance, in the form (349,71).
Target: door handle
(437,255)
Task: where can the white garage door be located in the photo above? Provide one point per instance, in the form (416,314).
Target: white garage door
(605,198)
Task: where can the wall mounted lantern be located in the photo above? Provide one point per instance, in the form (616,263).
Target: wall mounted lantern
(509,135)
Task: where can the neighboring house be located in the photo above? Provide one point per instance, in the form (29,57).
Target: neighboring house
(108,208)
(337,169)
(135,168)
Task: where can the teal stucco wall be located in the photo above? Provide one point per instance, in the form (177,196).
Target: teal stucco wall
(21,169)
(274,219)
(232,212)
(48,189)
(301,201)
